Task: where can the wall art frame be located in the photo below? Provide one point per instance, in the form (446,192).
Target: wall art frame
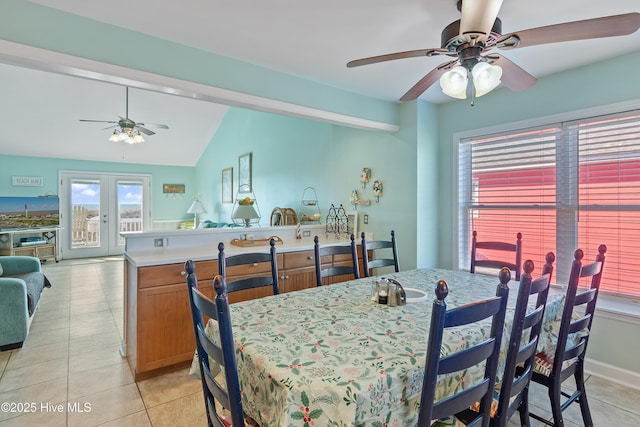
(173,188)
(244,173)
(227,185)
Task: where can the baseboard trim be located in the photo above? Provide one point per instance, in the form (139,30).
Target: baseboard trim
(612,373)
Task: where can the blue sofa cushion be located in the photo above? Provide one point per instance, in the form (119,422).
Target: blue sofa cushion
(35,282)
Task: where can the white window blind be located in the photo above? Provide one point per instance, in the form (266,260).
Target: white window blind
(563,186)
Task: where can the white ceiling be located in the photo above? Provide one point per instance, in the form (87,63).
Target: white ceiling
(313,40)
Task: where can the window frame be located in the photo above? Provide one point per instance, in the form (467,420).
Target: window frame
(460,247)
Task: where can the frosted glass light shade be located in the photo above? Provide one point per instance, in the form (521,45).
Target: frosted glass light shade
(486,77)
(454,82)
(138,138)
(196,208)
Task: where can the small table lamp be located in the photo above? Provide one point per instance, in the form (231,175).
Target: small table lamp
(195,209)
(245,210)
(246,213)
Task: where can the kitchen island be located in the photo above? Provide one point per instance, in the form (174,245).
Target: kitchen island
(158,332)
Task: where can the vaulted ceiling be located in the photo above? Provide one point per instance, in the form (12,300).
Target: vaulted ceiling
(311,40)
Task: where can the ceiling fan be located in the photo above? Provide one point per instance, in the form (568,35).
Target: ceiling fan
(478,31)
(127,130)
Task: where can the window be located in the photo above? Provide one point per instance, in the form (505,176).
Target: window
(563,186)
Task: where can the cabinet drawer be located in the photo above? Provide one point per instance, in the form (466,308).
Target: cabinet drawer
(249,269)
(341,258)
(173,273)
(298,259)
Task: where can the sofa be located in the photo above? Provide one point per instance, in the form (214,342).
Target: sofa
(21,285)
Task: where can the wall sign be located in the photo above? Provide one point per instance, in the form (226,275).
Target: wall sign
(27,181)
(173,188)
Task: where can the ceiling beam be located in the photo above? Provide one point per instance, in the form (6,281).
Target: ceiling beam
(56,62)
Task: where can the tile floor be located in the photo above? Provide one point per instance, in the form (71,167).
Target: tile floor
(70,367)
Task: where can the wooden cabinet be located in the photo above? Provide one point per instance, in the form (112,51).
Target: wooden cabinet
(297,271)
(158,328)
(40,243)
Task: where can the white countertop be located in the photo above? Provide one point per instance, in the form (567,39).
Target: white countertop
(201,245)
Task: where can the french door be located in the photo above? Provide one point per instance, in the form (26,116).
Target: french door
(97,207)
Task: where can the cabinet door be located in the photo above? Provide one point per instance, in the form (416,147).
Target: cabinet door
(297,271)
(165,329)
(46,251)
(297,279)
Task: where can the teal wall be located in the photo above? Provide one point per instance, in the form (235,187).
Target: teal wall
(290,154)
(162,207)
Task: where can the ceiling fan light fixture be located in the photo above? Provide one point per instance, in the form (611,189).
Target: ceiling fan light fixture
(115,136)
(137,139)
(486,77)
(454,82)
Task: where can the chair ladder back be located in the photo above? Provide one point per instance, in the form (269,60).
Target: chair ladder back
(222,353)
(367,246)
(253,258)
(571,344)
(574,299)
(335,270)
(515,248)
(520,357)
(492,308)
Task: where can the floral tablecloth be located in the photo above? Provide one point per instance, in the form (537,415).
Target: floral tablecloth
(329,356)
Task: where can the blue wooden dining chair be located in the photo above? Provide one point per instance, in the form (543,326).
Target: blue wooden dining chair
(330,269)
(566,359)
(253,259)
(512,393)
(486,351)
(495,249)
(527,325)
(378,262)
(228,394)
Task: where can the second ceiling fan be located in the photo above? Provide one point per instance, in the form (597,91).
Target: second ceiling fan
(125,129)
(478,31)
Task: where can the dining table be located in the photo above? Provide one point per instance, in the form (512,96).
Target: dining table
(332,356)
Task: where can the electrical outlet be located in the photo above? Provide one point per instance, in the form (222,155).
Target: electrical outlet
(365,219)
(306,233)
(158,243)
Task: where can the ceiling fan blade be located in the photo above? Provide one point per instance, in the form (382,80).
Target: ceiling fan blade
(98,121)
(428,80)
(608,26)
(477,18)
(396,55)
(513,77)
(144,130)
(157,125)
(110,127)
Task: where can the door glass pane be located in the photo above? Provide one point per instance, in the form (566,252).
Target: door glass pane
(85,214)
(129,208)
